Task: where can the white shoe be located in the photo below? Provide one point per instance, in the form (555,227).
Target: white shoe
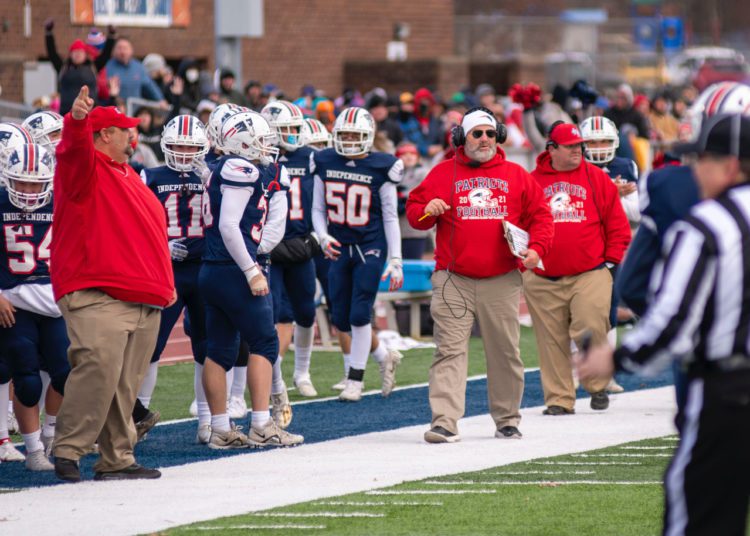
(12,423)
(9,453)
(388,371)
(614,387)
(352,391)
(194,408)
(38,461)
(340,385)
(47,442)
(273,436)
(281,410)
(237,407)
(204,434)
(304,386)
(231,439)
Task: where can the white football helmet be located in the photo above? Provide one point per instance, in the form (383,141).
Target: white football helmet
(249,135)
(27,173)
(286,119)
(45,127)
(598,128)
(12,135)
(721,98)
(220,114)
(356,121)
(315,134)
(183,130)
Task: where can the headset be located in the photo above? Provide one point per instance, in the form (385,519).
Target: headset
(458,136)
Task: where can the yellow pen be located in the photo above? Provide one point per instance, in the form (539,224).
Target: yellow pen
(426,215)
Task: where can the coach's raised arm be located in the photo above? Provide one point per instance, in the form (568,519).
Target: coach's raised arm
(111,275)
(468,198)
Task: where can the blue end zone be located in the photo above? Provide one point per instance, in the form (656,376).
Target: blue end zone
(174,444)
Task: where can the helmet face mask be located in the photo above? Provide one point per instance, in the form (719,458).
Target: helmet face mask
(182,141)
(353,132)
(315,135)
(286,119)
(28,171)
(45,128)
(601,138)
(248,134)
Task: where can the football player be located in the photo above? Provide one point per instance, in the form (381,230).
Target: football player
(315,135)
(46,128)
(355,216)
(32,330)
(244,212)
(292,267)
(180,191)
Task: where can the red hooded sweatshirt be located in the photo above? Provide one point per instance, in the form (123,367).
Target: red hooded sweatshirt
(590,224)
(470,239)
(109,229)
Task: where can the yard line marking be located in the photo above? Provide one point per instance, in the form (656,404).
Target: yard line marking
(266,527)
(585,463)
(624,455)
(377,503)
(317,514)
(546,482)
(646,448)
(431,492)
(543,473)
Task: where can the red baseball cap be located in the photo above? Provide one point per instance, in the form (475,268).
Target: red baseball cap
(566,134)
(109,116)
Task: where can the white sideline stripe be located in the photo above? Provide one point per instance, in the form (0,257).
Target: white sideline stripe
(634,447)
(585,463)
(543,473)
(622,455)
(253,482)
(433,492)
(265,527)
(366,393)
(317,514)
(378,503)
(542,482)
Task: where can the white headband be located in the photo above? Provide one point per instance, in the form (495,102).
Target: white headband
(476,118)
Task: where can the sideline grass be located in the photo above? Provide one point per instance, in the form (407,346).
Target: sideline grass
(551,508)
(174,388)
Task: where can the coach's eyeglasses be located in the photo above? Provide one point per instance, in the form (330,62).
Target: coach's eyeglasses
(476,134)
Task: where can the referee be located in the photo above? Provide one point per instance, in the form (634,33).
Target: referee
(701,309)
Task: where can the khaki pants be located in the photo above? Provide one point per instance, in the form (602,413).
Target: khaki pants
(456,302)
(111,343)
(562,310)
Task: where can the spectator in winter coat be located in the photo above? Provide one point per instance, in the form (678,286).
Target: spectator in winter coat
(134,80)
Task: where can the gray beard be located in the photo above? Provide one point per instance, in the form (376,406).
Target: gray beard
(482,155)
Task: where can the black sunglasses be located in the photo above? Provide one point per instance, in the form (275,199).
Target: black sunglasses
(476,134)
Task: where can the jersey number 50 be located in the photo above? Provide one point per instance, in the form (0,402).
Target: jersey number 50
(348,204)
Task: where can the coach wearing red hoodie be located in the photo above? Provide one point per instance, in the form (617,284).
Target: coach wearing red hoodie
(571,296)
(468,197)
(111,275)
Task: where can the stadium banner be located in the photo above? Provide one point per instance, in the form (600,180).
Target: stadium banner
(147,13)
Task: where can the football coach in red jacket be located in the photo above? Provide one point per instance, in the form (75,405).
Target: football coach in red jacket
(476,277)
(111,275)
(572,294)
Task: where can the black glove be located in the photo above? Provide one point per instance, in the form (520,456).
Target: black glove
(49,25)
(296,250)
(111,30)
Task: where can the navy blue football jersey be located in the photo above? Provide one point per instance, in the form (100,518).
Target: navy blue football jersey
(625,168)
(234,171)
(352,193)
(24,255)
(298,165)
(212,159)
(181,195)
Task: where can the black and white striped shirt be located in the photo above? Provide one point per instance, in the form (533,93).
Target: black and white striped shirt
(700,309)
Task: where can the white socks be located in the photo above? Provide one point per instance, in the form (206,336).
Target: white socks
(258,419)
(204,413)
(239,382)
(347,363)
(361,342)
(380,353)
(220,423)
(303,341)
(32,441)
(277,382)
(48,430)
(4,402)
(149,384)
(612,338)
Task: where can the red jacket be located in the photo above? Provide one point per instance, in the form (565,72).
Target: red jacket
(470,239)
(109,228)
(590,225)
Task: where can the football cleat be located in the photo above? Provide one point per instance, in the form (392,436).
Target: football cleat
(352,391)
(194,408)
(144,426)
(204,434)
(231,439)
(237,407)
(340,385)
(12,423)
(273,436)
(304,386)
(9,453)
(38,461)
(281,410)
(614,387)
(388,371)
(47,442)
